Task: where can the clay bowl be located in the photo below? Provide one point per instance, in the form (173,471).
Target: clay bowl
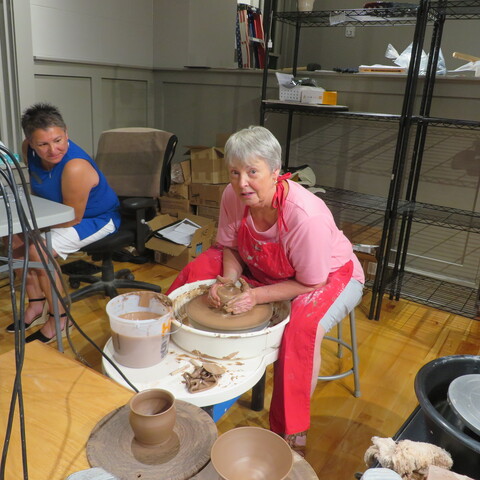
(251,452)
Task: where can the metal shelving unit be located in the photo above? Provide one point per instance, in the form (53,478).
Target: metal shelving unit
(393,277)
(400,208)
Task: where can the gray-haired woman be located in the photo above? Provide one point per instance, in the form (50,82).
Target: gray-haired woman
(283,241)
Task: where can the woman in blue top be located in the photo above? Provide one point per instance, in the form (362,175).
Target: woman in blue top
(62,172)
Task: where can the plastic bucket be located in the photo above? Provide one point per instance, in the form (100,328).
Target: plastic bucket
(140,326)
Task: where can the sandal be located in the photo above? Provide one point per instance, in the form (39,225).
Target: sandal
(38,335)
(297,442)
(39,319)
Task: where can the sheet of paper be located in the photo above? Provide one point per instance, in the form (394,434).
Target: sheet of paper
(181,232)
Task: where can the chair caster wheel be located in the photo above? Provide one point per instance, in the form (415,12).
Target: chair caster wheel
(130,276)
(74,284)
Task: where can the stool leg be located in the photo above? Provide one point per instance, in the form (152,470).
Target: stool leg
(353,332)
(339,336)
(355,359)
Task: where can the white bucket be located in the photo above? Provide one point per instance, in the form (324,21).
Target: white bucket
(140,325)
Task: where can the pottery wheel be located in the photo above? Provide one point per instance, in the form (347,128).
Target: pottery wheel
(464,398)
(201,313)
(113,447)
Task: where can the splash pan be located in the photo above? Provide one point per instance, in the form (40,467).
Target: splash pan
(225,345)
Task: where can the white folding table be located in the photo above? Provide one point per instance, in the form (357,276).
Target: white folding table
(46,213)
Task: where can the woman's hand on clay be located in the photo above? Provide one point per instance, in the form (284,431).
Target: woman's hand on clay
(213,299)
(243,302)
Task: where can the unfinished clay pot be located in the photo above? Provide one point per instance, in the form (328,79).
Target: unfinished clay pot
(152,416)
(251,452)
(227,292)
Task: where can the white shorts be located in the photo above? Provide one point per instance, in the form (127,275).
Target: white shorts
(347,300)
(66,240)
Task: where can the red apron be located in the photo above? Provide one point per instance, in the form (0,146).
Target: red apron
(268,263)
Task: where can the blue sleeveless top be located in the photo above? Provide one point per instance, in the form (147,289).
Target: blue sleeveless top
(102,204)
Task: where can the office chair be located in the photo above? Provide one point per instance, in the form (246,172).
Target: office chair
(136,163)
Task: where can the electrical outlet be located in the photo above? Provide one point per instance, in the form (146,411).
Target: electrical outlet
(349,32)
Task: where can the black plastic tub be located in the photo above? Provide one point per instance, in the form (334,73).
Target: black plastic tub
(447,429)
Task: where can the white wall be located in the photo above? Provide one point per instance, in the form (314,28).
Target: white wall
(94,98)
(194,33)
(118,32)
(138,33)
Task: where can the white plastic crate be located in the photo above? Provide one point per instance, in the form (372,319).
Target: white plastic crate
(293,94)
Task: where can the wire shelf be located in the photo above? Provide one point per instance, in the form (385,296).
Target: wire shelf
(354,200)
(448,217)
(456,10)
(424,213)
(374,17)
(435,293)
(449,123)
(338,111)
(356,17)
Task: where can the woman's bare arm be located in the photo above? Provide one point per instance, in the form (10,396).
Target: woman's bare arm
(78,179)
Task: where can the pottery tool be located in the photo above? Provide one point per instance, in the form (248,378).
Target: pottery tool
(465,56)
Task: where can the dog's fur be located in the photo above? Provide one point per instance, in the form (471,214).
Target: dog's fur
(409,459)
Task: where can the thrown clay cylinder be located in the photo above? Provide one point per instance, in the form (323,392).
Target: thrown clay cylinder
(152,416)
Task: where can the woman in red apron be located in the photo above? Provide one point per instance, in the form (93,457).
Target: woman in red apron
(283,242)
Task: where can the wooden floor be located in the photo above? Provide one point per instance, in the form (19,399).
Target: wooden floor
(391,352)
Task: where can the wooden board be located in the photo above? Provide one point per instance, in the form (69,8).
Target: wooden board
(113,447)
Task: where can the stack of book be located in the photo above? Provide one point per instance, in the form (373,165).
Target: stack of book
(250,39)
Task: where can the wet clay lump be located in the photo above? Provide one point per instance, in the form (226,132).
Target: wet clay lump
(198,311)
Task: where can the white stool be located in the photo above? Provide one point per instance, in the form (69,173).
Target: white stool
(352,347)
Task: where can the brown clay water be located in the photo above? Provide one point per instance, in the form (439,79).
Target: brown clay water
(140,352)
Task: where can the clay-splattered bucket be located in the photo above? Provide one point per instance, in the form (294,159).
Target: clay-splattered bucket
(140,326)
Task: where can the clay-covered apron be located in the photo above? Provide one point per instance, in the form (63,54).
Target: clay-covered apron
(268,263)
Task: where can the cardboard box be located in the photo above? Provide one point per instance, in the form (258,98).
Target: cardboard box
(312,95)
(369,264)
(178,256)
(209,212)
(207,194)
(178,190)
(175,206)
(181,172)
(208,165)
(318,96)
(362,234)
